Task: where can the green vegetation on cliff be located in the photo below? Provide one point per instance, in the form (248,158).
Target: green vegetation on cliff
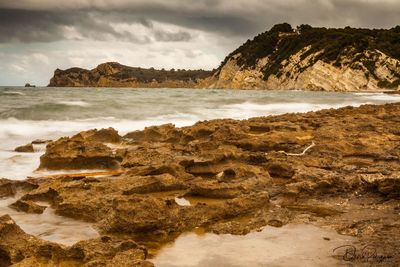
(113,71)
(282,41)
(149,75)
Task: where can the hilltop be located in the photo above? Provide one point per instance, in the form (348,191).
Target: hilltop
(314,59)
(113,74)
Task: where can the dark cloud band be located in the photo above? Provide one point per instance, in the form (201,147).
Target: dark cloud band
(44,21)
(48,26)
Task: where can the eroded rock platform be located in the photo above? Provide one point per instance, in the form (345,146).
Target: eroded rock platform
(237,176)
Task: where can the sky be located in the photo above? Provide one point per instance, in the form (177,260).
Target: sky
(38,36)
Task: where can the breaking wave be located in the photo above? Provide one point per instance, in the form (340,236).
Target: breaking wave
(11,93)
(75,103)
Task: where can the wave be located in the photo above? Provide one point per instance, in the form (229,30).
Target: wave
(43,111)
(383,97)
(12,93)
(74,103)
(28,130)
(177,117)
(367,93)
(18,166)
(379,96)
(250,109)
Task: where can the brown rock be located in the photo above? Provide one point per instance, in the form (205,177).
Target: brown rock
(25,149)
(159,183)
(280,169)
(40,141)
(113,74)
(7,188)
(109,135)
(348,180)
(162,133)
(27,206)
(17,247)
(70,153)
(10,187)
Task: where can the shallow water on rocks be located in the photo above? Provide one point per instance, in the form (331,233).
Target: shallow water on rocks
(49,226)
(291,245)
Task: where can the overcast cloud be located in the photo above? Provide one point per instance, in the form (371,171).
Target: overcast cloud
(37,36)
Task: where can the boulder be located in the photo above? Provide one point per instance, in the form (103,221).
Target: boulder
(28,148)
(71,153)
(27,206)
(109,135)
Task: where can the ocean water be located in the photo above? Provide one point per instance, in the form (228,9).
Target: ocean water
(27,114)
(49,226)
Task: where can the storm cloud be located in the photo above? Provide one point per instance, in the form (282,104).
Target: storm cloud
(46,21)
(49,26)
(180,32)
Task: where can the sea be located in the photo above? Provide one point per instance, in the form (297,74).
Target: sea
(27,114)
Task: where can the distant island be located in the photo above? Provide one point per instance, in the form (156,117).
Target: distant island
(29,85)
(282,58)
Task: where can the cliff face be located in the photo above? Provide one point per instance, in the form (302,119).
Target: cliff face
(282,58)
(314,59)
(113,74)
(297,73)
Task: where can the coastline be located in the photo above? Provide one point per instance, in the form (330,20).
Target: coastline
(386,91)
(255,170)
(204,134)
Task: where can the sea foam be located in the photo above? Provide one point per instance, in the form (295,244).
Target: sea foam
(74,103)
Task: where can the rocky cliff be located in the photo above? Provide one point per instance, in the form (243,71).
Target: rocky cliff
(314,59)
(282,58)
(112,74)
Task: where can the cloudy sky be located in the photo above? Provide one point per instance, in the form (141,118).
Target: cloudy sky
(38,36)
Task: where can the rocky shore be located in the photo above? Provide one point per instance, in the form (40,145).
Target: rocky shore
(338,169)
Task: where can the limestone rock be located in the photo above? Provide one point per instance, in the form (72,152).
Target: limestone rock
(76,153)
(9,188)
(25,148)
(113,74)
(237,176)
(109,135)
(19,248)
(27,206)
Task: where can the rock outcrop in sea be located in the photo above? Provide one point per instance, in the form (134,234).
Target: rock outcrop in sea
(334,168)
